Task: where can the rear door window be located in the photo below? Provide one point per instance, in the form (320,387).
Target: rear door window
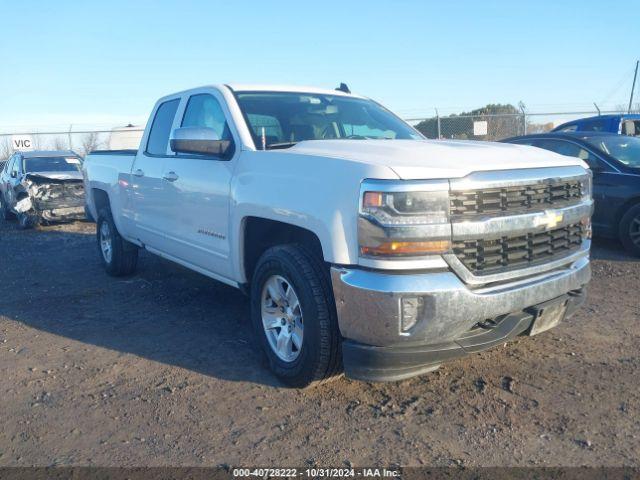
(161,127)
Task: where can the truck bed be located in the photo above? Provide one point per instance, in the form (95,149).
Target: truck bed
(104,170)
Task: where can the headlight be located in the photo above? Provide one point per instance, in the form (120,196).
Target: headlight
(406,208)
(404,219)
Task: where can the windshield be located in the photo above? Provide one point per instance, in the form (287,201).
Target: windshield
(622,148)
(281,119)
(51,164)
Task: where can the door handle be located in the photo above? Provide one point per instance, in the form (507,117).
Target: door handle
(138,173)
(170,177)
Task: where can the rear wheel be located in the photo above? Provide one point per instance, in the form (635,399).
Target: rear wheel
(294,316)
(630,230)
(118,256)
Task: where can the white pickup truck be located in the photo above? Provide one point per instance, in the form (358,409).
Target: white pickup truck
(362,245)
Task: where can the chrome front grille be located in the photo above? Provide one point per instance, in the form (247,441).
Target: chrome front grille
(483,257)
(515,199)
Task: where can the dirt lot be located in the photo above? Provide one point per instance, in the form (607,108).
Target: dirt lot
(159,369)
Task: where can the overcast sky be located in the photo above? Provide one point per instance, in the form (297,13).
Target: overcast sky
(106,62)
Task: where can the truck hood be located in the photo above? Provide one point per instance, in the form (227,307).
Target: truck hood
(60,176)
(418,159)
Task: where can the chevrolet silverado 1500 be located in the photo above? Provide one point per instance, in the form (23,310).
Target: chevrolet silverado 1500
(362,245)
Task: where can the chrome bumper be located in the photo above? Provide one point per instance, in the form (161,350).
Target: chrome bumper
(369,302)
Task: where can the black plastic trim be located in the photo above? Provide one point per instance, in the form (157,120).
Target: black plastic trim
(114,152)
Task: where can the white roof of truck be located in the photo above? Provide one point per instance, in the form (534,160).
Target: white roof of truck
(244,87)
(249,87)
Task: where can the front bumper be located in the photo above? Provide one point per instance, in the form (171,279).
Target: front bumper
(62,214)
(380,364)
(369,306)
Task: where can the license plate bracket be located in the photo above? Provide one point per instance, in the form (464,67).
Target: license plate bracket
(547,316)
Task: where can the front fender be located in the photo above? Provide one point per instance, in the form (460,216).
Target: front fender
(317,194)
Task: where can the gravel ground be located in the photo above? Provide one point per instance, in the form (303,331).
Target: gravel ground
(159,369)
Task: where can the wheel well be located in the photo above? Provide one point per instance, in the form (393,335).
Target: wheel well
(100,199)
(261,234)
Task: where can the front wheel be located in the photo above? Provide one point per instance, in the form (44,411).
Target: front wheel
(118,256)
(630,230)
(27,220)
(294,317)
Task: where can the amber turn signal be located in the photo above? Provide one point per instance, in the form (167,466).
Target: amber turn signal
(408,248)
(372,199)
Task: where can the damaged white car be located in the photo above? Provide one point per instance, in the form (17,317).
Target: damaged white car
(42,187)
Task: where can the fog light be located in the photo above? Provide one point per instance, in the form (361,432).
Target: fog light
(411,309)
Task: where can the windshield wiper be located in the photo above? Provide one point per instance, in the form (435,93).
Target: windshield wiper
(274,146)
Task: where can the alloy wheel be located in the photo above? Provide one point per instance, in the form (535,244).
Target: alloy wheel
(634,230)
(282,318)
(106,242)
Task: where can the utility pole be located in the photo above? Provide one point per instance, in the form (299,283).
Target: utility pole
(633,87)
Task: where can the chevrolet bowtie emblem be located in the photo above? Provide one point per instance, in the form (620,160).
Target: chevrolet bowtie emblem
(549,219)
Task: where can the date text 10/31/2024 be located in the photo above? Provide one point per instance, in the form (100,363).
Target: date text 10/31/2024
(315,472)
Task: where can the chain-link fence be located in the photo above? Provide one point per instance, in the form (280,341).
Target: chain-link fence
(488,127)
(476,127)
(492,127)
(80,141)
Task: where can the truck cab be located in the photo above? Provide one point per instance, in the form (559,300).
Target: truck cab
(362,245)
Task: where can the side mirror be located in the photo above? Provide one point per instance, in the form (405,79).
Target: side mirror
(200,141)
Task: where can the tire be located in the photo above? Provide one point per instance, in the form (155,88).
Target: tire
(4,211)
(319,357)
(122,256)
(630,230)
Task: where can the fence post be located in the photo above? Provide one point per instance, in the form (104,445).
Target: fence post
(438,122)
(69,137)
(524,117)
